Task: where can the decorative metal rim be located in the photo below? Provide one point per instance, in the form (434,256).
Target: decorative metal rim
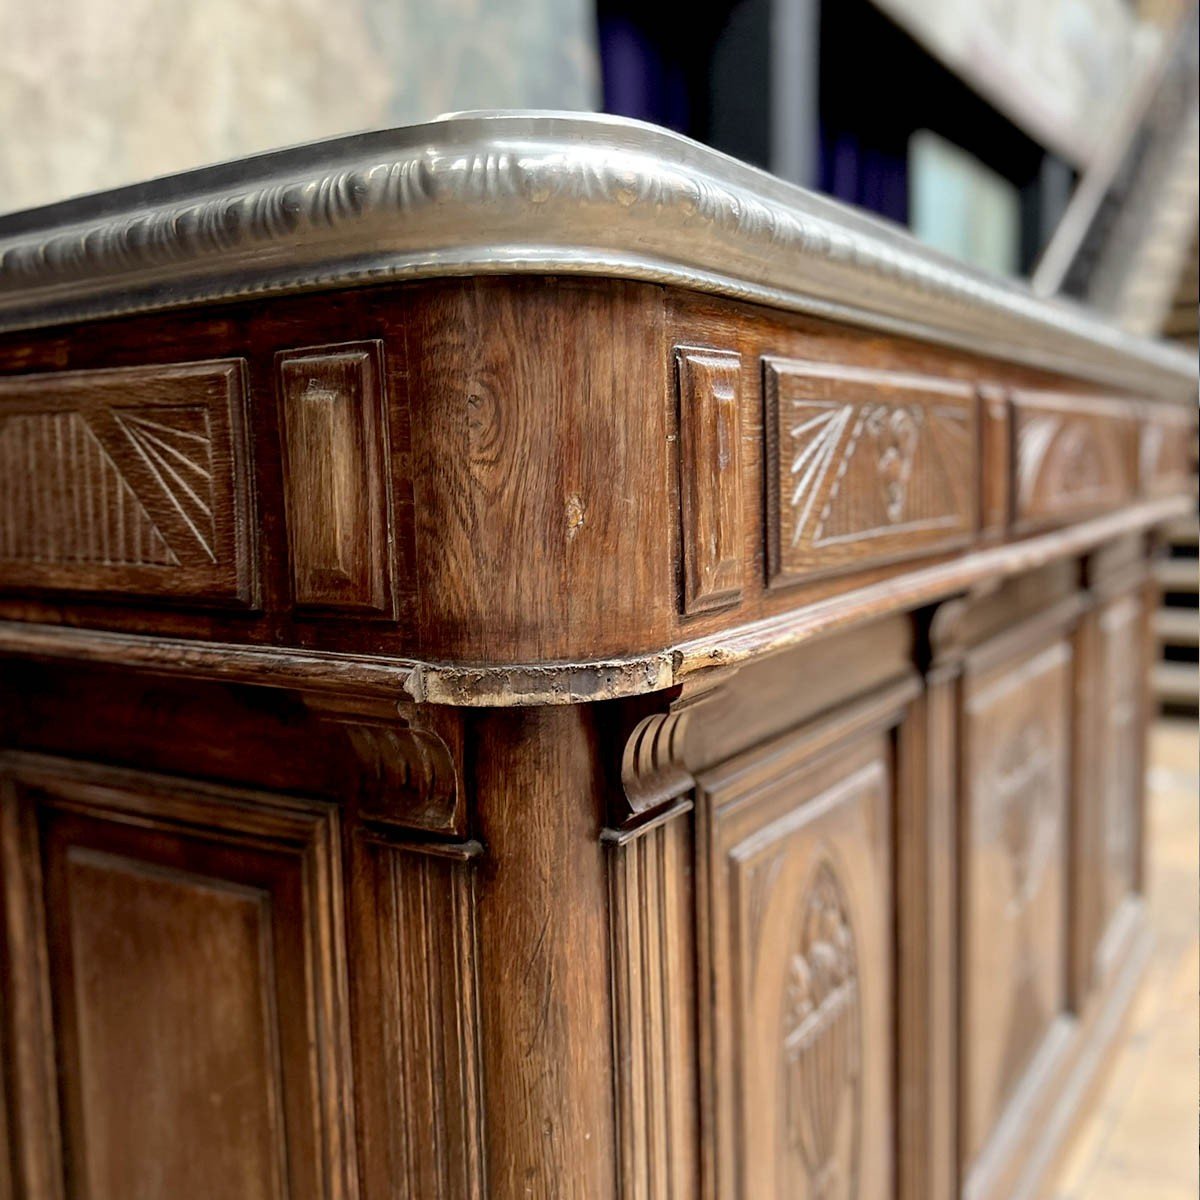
(533,193)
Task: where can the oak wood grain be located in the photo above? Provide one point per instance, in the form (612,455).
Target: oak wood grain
(337,490)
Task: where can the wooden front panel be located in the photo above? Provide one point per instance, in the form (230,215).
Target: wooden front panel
(334,423)
(865,467)
(1167,453)
(192,984)
(147,944)
(1013,878)
(710,477)
(134,481)
(1121,685)
(800,955)
(1074,456)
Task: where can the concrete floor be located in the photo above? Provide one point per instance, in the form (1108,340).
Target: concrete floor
(1138,1140)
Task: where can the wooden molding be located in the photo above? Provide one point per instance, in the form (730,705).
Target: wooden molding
(414,927)
(653,987)
(333,422)
(710,477)
(653,751)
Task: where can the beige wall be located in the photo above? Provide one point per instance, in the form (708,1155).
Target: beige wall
(96,93)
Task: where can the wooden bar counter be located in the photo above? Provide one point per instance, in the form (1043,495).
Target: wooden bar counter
(537,660)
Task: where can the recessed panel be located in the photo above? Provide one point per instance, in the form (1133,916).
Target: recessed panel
(336,479)
(1013,877)
(801,961)
(1121,685)
(190,943)
(1075,455)
(865,467)
(710,477)
(174,998)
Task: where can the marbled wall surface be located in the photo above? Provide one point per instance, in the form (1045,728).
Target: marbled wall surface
(96,93)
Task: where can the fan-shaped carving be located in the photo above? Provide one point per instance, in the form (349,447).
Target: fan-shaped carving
(868,465)
(176,446)
(64,500)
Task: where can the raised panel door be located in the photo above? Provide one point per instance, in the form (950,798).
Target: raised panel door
(796,870)
(183,946)
(1014,881)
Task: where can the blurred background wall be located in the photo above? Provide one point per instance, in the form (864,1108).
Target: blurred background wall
(96,93)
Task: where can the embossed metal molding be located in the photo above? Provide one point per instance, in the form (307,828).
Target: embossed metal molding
(864,467)
(131,481)
(537,193)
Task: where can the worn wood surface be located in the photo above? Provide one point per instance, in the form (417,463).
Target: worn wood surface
(616,743)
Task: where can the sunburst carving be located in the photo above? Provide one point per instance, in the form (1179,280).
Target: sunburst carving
(815,440)
(175,444)
(64,500)
(861,471)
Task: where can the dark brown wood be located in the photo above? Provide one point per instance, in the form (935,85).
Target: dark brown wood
(337,492)
(866,466)
(619,742)
(134,480)
(797,896)
(542,913)
(197,974)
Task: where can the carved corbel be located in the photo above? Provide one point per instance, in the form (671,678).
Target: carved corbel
(652,746)
(409,760)
(947,634)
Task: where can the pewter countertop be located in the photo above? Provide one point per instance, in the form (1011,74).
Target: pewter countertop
(534,193)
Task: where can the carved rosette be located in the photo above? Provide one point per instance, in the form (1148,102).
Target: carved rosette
(822,1041)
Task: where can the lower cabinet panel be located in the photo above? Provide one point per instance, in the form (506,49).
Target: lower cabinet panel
(799,890)
(189,984)
(1122,759)
(1014,881)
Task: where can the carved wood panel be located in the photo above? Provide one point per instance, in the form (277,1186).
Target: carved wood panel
(710,477)
(196,981)
(334,428)
(1167,452)
(1013,878)
(133,480)
(1074,455)
(864,467)
(797,872)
